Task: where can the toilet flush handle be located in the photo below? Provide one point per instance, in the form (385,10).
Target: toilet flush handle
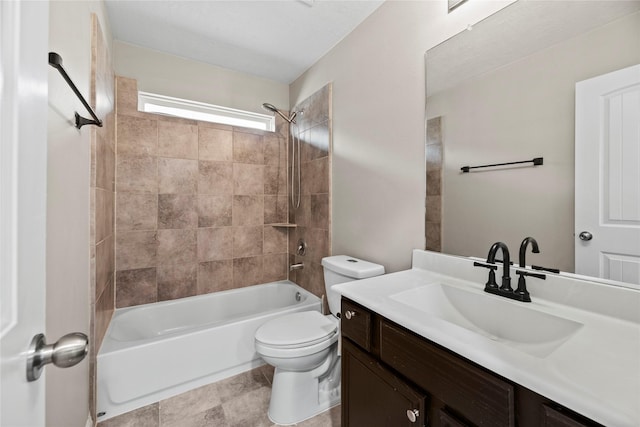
(349,314)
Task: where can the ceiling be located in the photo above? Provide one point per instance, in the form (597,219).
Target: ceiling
(519,30)
(277,40)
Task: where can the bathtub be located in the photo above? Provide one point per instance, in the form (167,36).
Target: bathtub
(154,351)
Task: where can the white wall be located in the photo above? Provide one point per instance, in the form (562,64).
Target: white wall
(68,190)
(530,114)
(378,177)
(171,75)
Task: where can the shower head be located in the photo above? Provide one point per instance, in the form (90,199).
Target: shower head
(273,109)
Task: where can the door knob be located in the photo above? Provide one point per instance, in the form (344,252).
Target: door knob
(349,314)
(413,414)
(66,352)
(585,236)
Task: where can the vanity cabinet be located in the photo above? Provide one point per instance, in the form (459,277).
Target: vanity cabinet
(390,373)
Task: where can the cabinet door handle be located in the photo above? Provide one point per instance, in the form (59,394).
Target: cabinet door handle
(413,415)
(349,314)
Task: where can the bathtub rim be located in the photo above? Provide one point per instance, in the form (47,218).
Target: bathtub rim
(111,345)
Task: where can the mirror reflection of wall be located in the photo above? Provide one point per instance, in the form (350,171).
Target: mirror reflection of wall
(505,91)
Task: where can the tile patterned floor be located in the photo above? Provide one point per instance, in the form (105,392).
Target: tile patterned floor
(240,401)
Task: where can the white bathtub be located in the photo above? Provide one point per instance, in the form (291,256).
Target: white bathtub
(155,351)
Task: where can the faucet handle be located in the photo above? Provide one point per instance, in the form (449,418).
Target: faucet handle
(489,266)
(491,282)
(529,274)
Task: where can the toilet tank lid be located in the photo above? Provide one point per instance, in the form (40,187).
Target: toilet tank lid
(352,267)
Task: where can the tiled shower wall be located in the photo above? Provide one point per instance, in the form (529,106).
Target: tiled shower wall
(433,220)
(193,204)
(313,217)
(102,97)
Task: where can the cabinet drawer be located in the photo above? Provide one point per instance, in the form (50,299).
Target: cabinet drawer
(356,324)
(482,398)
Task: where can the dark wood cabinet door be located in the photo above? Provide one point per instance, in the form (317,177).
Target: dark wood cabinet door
(554,418)
(374,397)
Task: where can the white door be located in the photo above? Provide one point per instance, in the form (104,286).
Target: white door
(607,211)
(23,162)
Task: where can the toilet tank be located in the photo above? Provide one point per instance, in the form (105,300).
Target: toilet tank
(343,268)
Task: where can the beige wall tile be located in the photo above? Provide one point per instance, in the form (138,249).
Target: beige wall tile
(248,179)
(136,249)
(126,95)
(215,178)
(215,243)
(215,144)
(176,247)
(248,210)
(104,213)
(247,271)
(177,211)
(136,136)
(136,174)
(320,211)
(136,211)
(434,156)
(302,214)
(275,209)
(248,148)
(434,182)
(105,304)
(105,164)
(315,283)
(275,150)
(315,176)
(318,142)
(247,241)
(214,276)
(433,234)
(434,131)
(177,176)
(105,264)
(177,140)
(214,211)
(275,240)
(177,281)
(318,244)
(433,209)
(275,180)
(135,287)
(274,267)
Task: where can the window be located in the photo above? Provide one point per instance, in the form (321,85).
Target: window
(160,104)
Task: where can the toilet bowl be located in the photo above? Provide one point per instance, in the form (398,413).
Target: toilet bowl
(303,349)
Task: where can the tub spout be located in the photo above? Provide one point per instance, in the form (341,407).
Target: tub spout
(298,266)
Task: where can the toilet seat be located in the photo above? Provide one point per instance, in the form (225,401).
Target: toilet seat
(297,330)
(296,335)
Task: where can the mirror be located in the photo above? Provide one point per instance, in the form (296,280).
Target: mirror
(504,91)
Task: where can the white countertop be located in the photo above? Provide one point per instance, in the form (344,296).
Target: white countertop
(596,372)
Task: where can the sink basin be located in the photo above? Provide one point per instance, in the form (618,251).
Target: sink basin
(513,323)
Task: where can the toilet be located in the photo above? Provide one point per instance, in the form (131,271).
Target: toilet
(303,347)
